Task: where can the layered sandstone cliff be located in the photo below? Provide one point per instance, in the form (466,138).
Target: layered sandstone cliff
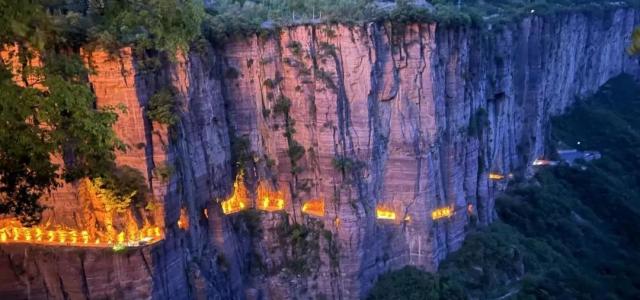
(412,118)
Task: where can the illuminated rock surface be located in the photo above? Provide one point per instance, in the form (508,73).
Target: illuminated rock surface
(383,119)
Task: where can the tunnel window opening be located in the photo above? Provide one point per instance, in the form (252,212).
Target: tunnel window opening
(13,232)
(385,213)
(441,213)
(544,162)
(183,221)
(107,231)
(269,200)
(314,207)
(239,198)
(496,176)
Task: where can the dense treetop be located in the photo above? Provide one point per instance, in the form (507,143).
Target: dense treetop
(232,17)
(56,115)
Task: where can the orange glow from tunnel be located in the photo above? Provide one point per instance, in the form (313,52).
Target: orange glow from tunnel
(14,233)
(543,162)
(238,200)
(384,213)
(496,176)
(443,212)
(183,221)
(268,199)
(314,207)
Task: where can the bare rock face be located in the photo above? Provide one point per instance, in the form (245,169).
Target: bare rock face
(75,273)
(409,118)
(412,118)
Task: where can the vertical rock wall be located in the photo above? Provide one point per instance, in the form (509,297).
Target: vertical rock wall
(411,117)
(421,114)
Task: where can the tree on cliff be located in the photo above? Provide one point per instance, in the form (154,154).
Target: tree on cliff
(635,42)
(47,113)
(59,120)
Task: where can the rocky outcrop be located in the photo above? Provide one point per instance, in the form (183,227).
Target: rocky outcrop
(62,273)
(409,117)
(421,114)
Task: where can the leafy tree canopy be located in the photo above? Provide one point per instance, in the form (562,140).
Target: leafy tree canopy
(37,123)
(51,129)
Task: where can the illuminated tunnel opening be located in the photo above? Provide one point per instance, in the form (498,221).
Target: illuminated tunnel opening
(314,207)
(239,199)
(441,213)
(385,213)
(269,199)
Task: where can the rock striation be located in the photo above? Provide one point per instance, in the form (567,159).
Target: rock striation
(412,118)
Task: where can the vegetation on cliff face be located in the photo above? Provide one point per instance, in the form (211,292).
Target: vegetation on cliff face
(49,110)
(567,233)
(160,25)
(230,18)
(37,124)
(163,107)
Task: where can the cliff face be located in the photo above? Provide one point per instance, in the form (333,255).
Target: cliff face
(407,118)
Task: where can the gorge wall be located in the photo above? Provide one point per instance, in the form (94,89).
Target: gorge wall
(410,118)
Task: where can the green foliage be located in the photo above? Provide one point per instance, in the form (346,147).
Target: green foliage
(112,201)
(126,183)
(295,47)
(301,244)
(237,18)
(634,48)
(241,151)
(119,191)
(282,106)
(234,18)
(476,12)
(75,130)
(296,151)
(328,49)
(163,107)
(327,77)
(164,172)
(411,283)
(161,25)
(164,25)
(24,22)
(346,164)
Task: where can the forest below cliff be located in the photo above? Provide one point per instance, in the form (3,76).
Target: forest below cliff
(568,233)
